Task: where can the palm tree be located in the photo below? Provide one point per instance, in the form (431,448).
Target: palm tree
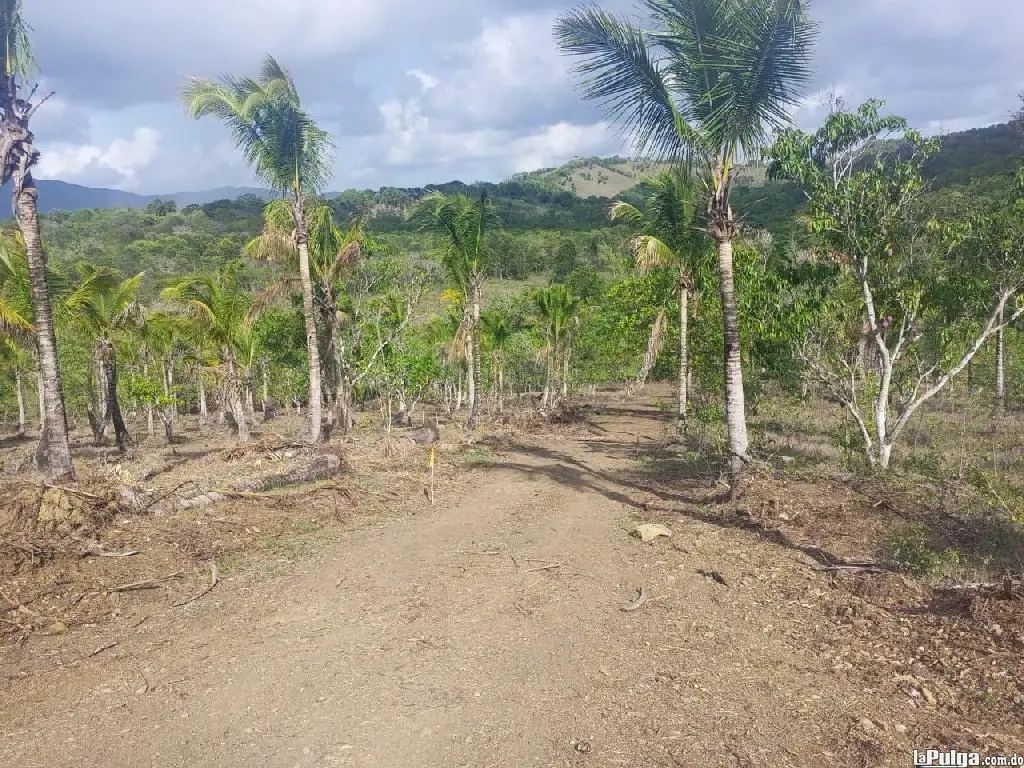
(331,251)
(703,85)
(497,330)
(668,238)
(225,313)
(18,359)
(557,311)
(18,155)
(288,151)
(464,223)
(112,307)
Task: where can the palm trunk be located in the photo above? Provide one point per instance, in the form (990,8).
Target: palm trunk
(235,402)
(315,414)
(149,406)
(501,386)
(1000,369)
(97,405)
(19,386)
(474,406)
(265,394)
(39,396)
(735,406)
(53,454)
(109,359)
(566,355)
(684,350)
(204,415)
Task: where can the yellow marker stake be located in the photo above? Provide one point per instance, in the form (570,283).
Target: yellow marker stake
(431,463)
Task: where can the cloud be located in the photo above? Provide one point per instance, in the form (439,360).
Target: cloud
(124,157)
(417,92)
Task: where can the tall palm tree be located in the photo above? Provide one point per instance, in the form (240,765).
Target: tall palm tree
(225,312)
(464,223)
(112,307)
(18,155)
(704,84)
(668,238)
(289,152)
(332,250)
(557,310)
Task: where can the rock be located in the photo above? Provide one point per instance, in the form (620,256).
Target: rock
(650,531)
(867,726)
(900,728)
(57,628)
(928,696)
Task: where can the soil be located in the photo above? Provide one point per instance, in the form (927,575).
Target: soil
(360,625)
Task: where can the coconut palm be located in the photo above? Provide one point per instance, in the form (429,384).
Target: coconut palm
(332,250)
(18,156)
(668,238)
(112,307)
(225,313)
(703,84)
(464,223)
(288,151)
(557,311)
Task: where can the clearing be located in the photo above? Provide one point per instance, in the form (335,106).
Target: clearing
(488,630)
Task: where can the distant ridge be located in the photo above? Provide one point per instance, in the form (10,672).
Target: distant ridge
(967,154)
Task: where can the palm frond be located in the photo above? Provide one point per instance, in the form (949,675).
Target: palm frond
(619,71)
(19,60)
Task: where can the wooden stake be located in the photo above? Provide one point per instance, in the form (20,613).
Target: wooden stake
(431,476)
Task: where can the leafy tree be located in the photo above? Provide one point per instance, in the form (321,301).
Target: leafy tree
(866,207)
(704,84)
(288,151)
(497,331)
(668,238)
(18,155)
(464,223)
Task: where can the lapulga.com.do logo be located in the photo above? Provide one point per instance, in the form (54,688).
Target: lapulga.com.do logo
(934,757)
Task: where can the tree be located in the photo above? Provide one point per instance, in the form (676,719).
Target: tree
(464,223)
(225,312)
(667,237)
(556,310)
(18,156)
(332,251)
(704,85)
(288,151)
(112,307)
(912,286)
(497,330)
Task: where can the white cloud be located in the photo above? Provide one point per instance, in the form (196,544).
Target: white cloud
(126,157)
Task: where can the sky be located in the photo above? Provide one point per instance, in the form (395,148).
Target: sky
(417,92)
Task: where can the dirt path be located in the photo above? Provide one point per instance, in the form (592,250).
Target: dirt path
(485,631)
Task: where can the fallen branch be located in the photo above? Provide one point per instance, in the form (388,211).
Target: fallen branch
(103,648)
(548,567)
(144,584)
(636,604)
(214,580)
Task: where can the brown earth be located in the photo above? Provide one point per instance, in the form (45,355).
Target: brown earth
(487,630)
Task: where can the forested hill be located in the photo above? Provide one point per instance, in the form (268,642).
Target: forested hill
(559,196)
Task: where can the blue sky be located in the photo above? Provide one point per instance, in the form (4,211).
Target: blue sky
(416,92)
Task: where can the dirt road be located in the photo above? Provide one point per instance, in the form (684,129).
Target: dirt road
(484,631)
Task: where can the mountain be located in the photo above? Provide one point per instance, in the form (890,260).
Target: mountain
(965,155)
(61,195)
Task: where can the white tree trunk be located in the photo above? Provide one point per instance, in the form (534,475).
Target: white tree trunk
(684,348)
(1000,368)
(19,385)
(315,411)
(735,405)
